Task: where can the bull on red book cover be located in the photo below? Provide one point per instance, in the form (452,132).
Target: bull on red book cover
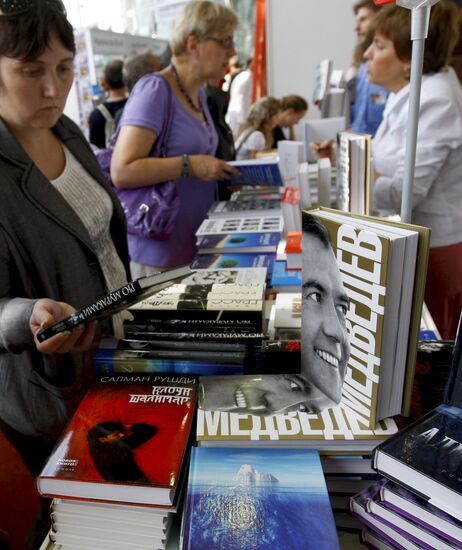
(126,442)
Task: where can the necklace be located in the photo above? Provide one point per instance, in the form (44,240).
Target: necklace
(185,92)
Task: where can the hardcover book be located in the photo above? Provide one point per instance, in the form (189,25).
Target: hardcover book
(412,530)
(268,223)
(238,243)
(353,172)
(426,456)
(254,291)
(231,261)
(373,272)
(240,411)
(117,300)
(246,207)
(419,510)
(259,499)
(126,442)
(238,276)
(396,538)
(260,171)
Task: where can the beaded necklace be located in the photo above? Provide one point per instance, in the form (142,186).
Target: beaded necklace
(186,95)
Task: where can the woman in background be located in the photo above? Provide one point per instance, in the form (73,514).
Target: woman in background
(293,109)
(257,132)
(202,43)
(437,188)
(62,233)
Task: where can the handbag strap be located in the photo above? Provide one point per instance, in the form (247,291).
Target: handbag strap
(161,144)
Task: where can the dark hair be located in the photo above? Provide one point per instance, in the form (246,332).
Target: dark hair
(137,65)
(369,4)
(26,36)
(103,429)
(394,23)
(314,226)
(113,74)
(295,102)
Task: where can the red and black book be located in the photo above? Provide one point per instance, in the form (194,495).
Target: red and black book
(126,443)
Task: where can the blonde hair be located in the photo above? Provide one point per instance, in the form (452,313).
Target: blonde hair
(201,18)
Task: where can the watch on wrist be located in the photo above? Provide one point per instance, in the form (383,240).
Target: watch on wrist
(185,169)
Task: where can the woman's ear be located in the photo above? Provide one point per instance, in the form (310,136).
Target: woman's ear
(192,45)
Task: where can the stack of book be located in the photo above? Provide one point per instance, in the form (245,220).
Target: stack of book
(420,503)
(238,241)
(193,300)
(117,473)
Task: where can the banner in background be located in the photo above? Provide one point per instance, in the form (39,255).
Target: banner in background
(259,59)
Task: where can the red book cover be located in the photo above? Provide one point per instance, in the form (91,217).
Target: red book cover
(126,441)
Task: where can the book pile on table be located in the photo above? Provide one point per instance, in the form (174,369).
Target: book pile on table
(117,473)
(419,504)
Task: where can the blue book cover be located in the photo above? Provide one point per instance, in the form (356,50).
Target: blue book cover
(260,171)
(111,361)
(283,277)
(259,499)
(238,243)
(231,261)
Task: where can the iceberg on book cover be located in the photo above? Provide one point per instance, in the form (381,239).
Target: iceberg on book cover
(259,499)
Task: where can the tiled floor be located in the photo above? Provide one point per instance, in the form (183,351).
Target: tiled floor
(19,501)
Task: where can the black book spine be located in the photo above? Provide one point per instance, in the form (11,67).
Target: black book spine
(110,302)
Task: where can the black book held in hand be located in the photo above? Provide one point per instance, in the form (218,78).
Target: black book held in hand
(117,300)
(426,456)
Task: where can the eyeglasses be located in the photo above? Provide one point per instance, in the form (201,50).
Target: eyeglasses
(227,43)
(18,7)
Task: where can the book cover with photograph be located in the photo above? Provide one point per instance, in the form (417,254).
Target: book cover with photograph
(231,261)
(266,223)
(259,499)
(366,270)
(238,276)
(125,443)
(247,207)
(238,243)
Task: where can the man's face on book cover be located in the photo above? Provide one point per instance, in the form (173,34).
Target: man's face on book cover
(325,341)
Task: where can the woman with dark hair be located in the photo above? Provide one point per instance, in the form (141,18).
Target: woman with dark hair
(437,189)
(62,232)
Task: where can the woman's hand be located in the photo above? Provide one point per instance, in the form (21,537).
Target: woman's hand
(208,168)
(324,149)
(47,312)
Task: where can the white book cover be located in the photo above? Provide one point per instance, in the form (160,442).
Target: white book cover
(239,224)
(241,276)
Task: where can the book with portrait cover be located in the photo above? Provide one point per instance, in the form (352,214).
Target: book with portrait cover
(415,531)
(238,243)
(426,456)
(117,300)
(382,269)
(126,442)
(257,498)
(224,418)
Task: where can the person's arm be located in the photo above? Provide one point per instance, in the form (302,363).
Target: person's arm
(131,165)
(440,131)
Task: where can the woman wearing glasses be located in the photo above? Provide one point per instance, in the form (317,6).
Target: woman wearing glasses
(62,234)
(202,44)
